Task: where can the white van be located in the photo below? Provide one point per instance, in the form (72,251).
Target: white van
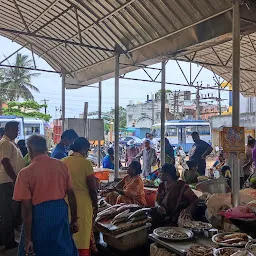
(27,126)
(33,126)
(20,120)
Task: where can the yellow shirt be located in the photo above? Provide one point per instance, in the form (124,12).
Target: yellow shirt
(9,150)
(79,169)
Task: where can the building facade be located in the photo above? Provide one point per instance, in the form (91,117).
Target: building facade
(143,115)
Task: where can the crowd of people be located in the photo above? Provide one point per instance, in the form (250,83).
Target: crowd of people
(56,194)
(43,190)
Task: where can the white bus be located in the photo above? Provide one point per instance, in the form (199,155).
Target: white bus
(33,126)
(179,132)
(27,126)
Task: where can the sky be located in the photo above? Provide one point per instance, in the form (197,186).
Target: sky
(49,85)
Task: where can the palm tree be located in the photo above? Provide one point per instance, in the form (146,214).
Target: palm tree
(16,82)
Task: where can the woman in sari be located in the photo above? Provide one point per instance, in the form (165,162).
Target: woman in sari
(174,200)
(84,184)
(130,189)
(248,166)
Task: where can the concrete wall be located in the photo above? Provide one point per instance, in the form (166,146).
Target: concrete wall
(247,120)
(140,115)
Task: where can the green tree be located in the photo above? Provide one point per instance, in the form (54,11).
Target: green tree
(26,109)
(110,117)
(122,116)
(16,82)
(158,94)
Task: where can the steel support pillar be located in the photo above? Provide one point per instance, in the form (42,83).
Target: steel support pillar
(63,100)
(198,110)
(163,95)
(99,116)
(116,129)
(235,97)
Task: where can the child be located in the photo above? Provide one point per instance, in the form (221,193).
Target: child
(190,175)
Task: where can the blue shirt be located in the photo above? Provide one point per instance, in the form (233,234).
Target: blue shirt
(107,163)
(59,152)
(197,151)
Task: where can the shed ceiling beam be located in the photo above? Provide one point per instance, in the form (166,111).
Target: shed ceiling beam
(253,46)
(194,55)
(218,56)
(198,73)
(21,16)
(53,19)
(182,71)
(27,68)
(147,74)
(45,11)
(33,56)
(53,61)
(91,86)
(248,20)
(2,61)
(78,25)
(31,34)
(229,59)
(26,28)
(215,65)
(140,66)
(185,85)
(96,23)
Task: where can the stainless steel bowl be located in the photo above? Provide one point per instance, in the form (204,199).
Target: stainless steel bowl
(213,186)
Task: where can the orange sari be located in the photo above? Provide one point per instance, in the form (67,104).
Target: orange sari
(133,188)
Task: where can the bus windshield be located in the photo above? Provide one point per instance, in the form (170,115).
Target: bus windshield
(190,129)
(204,130)
(171,131)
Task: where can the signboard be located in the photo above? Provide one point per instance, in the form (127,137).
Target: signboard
(233,139)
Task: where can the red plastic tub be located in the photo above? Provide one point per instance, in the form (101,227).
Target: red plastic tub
(102,175)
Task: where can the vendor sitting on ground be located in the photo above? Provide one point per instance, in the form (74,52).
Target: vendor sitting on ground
(174,200)
(130,190)
(190,175)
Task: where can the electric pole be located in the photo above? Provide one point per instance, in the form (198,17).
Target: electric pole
(176,104)
(197,102)
(45,105)
(219,99)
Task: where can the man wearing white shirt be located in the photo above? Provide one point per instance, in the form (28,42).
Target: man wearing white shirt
(11,162)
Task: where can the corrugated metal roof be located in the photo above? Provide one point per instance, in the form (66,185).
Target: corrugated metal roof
(149,30)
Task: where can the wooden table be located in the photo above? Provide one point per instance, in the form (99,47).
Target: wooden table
(181,247)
